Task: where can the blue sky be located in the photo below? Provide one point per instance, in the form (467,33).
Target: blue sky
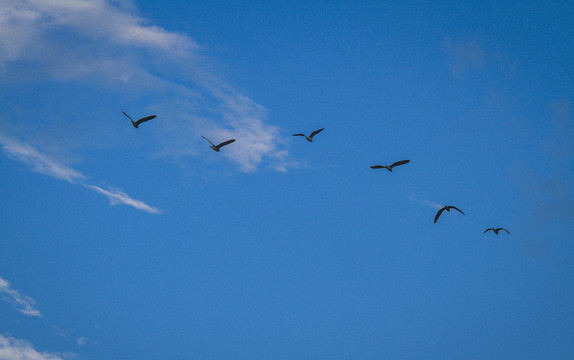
(123,243)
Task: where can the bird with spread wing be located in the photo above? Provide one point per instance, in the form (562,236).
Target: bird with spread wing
(496,230)
(390,167)
(218,146)
(137,123)
(447,208)
(310,137)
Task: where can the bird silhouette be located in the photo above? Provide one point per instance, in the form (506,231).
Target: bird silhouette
(217,147)
(496,230)
(137,123)
(390,167)
(447,208)
(310,137)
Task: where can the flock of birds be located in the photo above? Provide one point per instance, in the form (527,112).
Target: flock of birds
(309,138)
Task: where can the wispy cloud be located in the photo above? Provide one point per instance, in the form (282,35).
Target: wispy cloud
(47,165)
(552,192)
(549,185)
(555,200)
(31,24)
(561,111)
(100,41)
(38,161)
(256,139)
(558,145)
(23,303)
(464,55)
(120,197)
(428,203)
(15,349)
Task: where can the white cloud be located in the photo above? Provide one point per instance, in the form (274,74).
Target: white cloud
(120,197)
(59,331)
(98,42)
(82,341)
(25,304)
(35,21)
(50,166)
(15,349)
(255,138)
(39,162)
(428,203)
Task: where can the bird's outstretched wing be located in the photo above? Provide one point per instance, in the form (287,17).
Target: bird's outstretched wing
(488,230)
(208,140)
(402,162)
(316,132)
(127,116)
(508,232)
(144,119)
(225,143)
(298,134)
(454,207)
(377,167)
(133,123)
(438,214)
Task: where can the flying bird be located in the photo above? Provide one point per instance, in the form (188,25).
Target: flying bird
(447,208)
(144,119)
(217,147)
(390,167)
(496,230)
(310,137)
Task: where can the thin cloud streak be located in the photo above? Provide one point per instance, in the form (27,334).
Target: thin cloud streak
(110,44)
(24,304)
(15,349)
(39,162)
(52,167)
(120,197)
(427,203)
